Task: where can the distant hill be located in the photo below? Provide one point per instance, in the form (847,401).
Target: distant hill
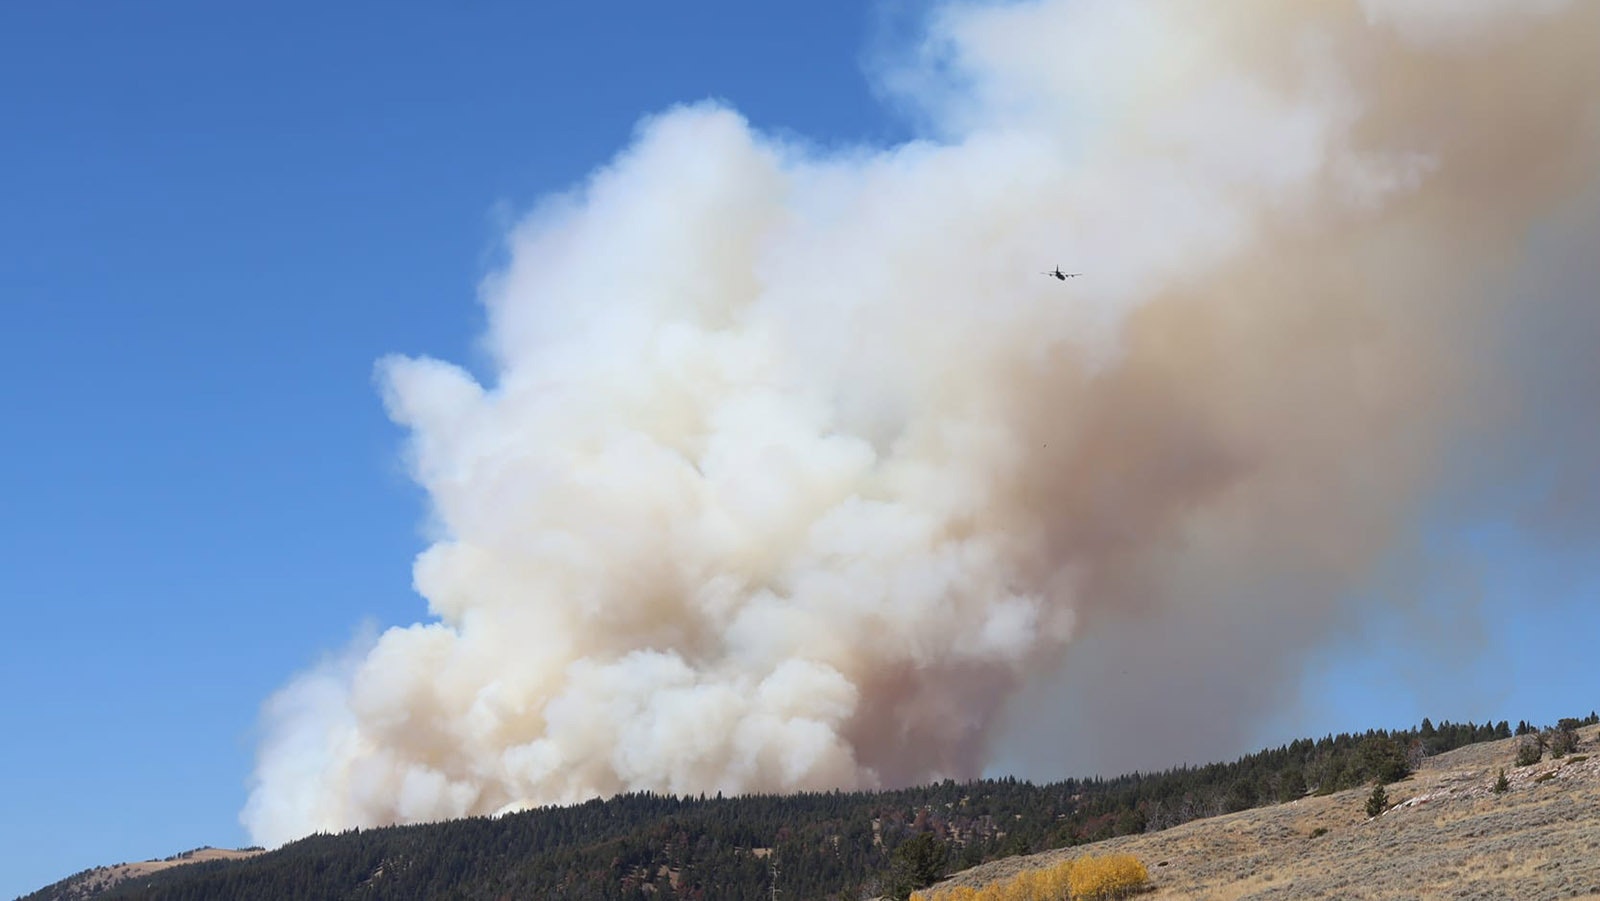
(835,845)
(95,882)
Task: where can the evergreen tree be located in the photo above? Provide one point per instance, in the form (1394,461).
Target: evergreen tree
(1292,785)
(1501,785)
(1384,759)
(917,863)
(1242,796)
(1378,801)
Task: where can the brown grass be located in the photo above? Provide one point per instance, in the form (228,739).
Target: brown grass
(100,879)
(1446,835)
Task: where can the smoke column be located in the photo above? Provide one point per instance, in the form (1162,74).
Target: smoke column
(811,503)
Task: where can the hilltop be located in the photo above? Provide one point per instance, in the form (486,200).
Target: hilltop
(96,881)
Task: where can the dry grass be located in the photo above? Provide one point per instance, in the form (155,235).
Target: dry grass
(1446,835)
(100,879)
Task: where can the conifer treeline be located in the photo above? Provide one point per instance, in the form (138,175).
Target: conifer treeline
(828,845)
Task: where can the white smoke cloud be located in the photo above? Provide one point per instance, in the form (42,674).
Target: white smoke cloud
(808,503)
(1453,22)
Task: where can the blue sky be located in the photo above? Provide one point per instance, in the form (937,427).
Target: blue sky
(215,222)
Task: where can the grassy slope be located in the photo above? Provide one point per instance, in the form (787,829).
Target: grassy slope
(1446,836)
(91,882)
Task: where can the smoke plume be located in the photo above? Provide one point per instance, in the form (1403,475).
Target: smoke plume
(807,492)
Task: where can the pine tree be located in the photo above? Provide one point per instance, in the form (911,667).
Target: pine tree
(917,863)
(1502,784)
(1292,785)
(1383,758)
(1378,801)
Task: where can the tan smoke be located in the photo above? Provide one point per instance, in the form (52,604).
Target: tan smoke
(796,470)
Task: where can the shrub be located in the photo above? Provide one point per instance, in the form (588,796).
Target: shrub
(1045,884)
(1111,876)
(1319,832)
(1529,751)
(1042,884)
(1501,784)
(1564,738)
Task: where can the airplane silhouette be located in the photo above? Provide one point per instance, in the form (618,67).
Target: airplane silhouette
(1062,275)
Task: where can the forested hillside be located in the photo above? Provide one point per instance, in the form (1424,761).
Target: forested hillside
(839,845)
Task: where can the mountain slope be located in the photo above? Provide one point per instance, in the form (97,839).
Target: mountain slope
(96,881)
(843,845)
(1446,834)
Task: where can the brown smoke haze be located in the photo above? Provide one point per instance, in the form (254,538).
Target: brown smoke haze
(831,496)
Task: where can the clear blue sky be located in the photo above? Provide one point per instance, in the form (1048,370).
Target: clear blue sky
(213,223)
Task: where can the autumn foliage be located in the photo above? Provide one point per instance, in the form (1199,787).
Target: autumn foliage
(1111,876)
(1086,878)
